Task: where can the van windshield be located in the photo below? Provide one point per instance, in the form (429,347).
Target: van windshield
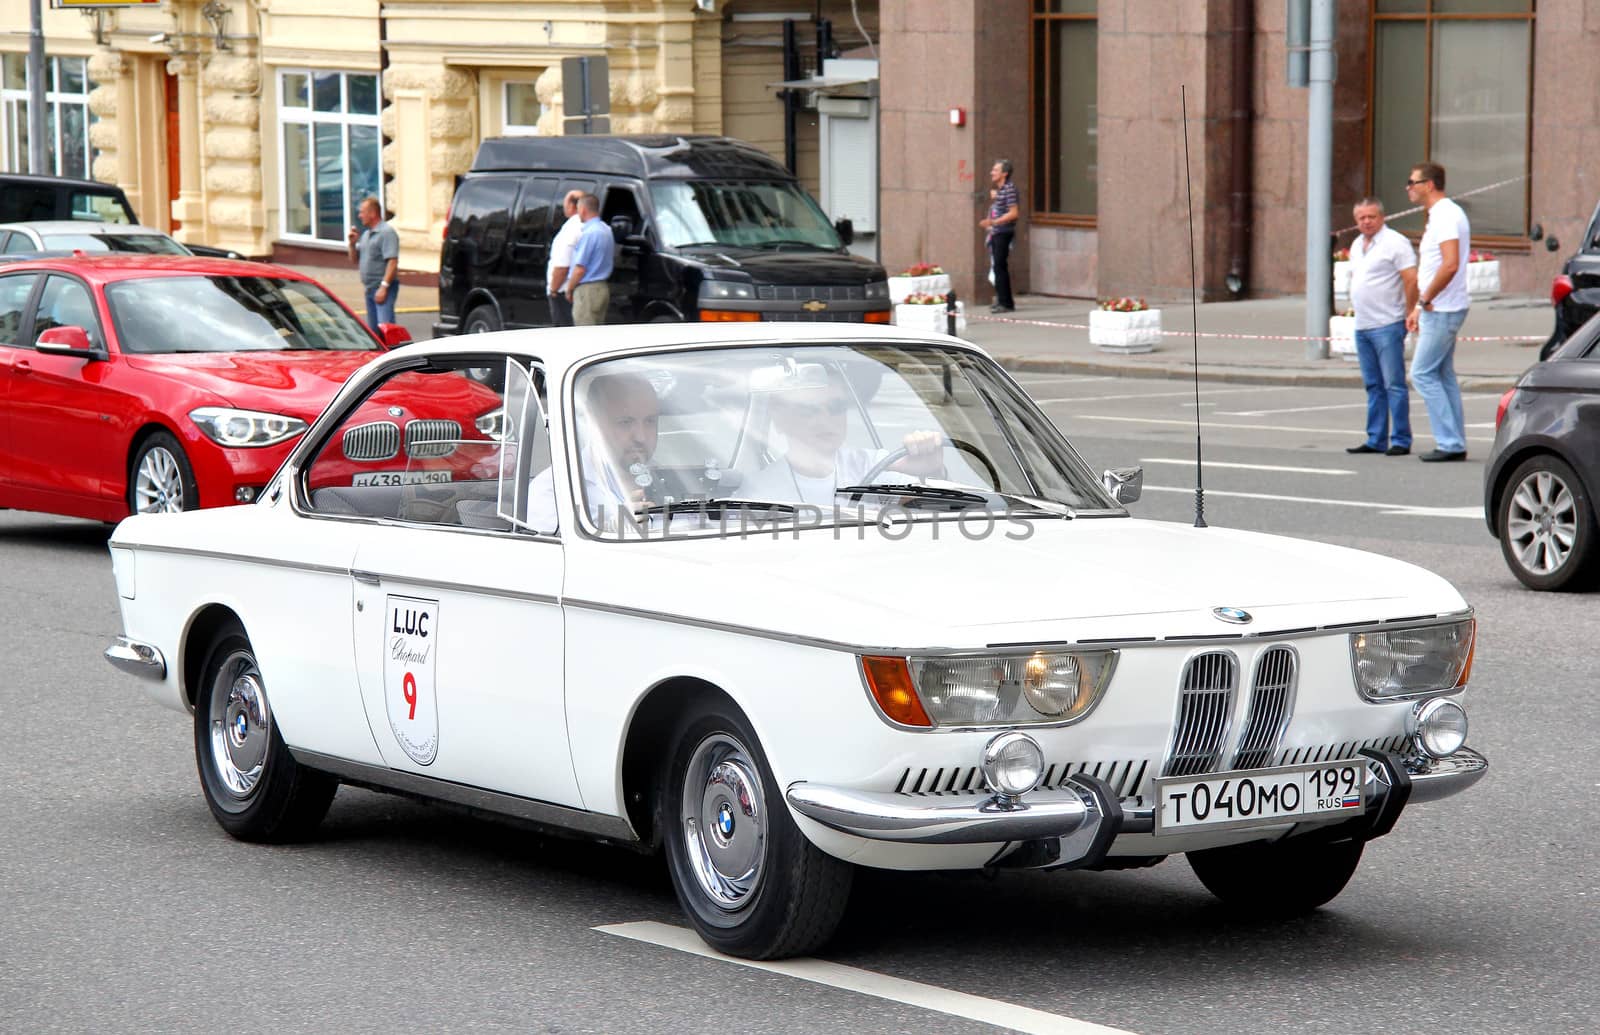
(740,214)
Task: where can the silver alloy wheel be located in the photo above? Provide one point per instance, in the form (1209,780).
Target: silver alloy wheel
(241,725)
(158,483)
(1542,522)
(724,822)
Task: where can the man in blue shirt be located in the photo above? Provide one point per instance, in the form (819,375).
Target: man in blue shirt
(588,285)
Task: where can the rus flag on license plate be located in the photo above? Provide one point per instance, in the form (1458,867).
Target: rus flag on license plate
(1350,801)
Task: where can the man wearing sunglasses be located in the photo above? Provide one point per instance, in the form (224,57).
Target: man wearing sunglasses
(1440,309)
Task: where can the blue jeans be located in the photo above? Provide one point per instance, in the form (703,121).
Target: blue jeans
(1382,351)
(380,312)
(1433,371)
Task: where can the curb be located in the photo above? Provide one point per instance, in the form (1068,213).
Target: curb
(1227,375)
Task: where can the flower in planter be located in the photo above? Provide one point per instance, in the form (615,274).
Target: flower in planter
(1341,255)
(923,298)
(922,269)
(1348,312)
(1480,257)
(1123,305)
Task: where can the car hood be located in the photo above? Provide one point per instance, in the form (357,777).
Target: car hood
(792,266)
(298,383)
(1114,578)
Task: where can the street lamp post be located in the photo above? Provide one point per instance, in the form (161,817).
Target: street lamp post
(36,74)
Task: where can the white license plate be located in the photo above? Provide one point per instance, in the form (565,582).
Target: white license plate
(1259,797)
(400,478)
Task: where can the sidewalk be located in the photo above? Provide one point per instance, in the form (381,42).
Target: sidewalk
(1035,338)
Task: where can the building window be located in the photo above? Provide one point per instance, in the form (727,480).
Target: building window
(1065,98)
(521,108)
(66,118)
(1451,83)
(332,155)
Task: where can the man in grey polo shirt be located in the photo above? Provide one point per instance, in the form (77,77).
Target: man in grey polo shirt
(1383,288)
(376,253)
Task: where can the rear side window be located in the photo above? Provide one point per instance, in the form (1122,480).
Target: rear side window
(480,219)
(100,207)
(534,214)
(21,203)
(14,292)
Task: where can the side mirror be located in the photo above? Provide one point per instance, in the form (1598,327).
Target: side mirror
(639,241)
(846,231)
(1126,484)
(393,335)
(622,228)
(66,341)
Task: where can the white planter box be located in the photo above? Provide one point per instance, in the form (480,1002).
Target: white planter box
(933,284)
(929,317)
(1483,279)
(1125,332)
(1342,331)
(1341,279)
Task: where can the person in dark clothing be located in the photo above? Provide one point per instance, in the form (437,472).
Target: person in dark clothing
(1001,224)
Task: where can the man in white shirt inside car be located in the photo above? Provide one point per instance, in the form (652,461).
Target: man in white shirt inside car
(615,444)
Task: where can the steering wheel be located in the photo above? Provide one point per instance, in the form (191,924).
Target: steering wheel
(944,440)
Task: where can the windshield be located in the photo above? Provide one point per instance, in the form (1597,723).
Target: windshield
(841,431)
(739,213)
(142,244)
(230,314)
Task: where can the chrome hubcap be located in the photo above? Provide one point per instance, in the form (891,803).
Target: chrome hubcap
(1542,523)
(158,484)
(724,825)
(241,725)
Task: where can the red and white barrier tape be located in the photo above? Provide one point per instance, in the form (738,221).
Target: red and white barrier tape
(1055,325)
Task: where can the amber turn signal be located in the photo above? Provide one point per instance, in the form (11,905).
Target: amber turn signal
(889,680)
(1472,649)
(879,316)
(728,316)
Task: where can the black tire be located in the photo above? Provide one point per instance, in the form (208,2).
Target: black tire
(1547,526)
(273,799)
(1277,880)
(780,895)
(160,478)
(482,319)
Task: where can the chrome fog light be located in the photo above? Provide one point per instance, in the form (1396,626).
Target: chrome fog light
(1439,727)
(1012,764)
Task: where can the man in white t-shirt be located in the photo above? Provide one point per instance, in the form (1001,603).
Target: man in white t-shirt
(1383,288)
(1440,309)
(561,260)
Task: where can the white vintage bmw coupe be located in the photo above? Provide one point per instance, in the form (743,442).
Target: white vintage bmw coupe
(781,601)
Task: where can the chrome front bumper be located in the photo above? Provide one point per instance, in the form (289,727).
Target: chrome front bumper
(142,659)
(1075,824)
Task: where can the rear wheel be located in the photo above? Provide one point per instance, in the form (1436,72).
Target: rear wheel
(1547,526)
(255,788)
(162,481)
(750,882)
(1278,880)
(482,320)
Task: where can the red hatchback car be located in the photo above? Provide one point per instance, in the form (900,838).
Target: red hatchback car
(162,383)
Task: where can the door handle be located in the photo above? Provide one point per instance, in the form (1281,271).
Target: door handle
(22,366)
(369,577)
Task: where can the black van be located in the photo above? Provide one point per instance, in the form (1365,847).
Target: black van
(707,228)
(28,199)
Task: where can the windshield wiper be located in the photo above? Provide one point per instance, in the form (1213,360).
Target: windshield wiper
(930,492)
(716,504)
(790,241)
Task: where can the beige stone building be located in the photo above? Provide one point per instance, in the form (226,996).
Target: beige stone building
(257,124)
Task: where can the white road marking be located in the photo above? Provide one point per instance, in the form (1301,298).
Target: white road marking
(1244,467)
(866,982)
(1189,394)
(1397,509)
(1340,406)
(1241,427)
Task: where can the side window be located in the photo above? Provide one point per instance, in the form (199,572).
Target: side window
(533,213)
(14,292)
(22,203)
(621,204)
(480,219)
(527,496)
(99,208)
(18,243)
(424,446)
(66,303)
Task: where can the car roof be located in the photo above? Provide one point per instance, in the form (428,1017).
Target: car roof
(108,268)
(82,226)
(563,347)
(64,181)
(652,156)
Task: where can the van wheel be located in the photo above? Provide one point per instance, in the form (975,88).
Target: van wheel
(482,320)
(666,319)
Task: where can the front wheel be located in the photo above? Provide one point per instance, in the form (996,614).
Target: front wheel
(1547,526)
(750,882)
(255,788)
(162,480)
(1277,880)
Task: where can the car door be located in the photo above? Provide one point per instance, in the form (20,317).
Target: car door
(67,412)
(458,626)
(527,299)
(16,360)
(620,209)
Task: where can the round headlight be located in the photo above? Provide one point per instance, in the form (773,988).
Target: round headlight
(1439,727)
(1052,683)
(1013,763)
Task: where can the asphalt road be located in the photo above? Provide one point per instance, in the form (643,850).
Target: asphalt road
(123,907)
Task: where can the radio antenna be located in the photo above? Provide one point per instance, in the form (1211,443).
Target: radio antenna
(1194,307)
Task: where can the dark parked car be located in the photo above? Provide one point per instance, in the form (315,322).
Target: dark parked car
(707,229)
(1544,470)
(1575,292)
(26,198)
